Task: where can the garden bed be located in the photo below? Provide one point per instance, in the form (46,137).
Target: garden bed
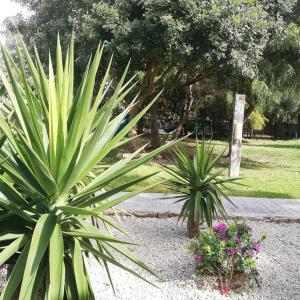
(162,243)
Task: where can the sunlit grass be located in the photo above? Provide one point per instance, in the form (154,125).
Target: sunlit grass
(268,169)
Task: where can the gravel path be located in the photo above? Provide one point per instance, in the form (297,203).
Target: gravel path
(162,243)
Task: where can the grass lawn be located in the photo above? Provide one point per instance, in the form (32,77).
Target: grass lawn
(269,169)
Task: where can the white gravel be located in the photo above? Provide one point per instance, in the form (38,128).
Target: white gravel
(162,244)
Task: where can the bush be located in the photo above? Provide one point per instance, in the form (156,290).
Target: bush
(257,121)
(199,184)
(227,252)
(52,139)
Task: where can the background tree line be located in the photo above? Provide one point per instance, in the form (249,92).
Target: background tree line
(200,52)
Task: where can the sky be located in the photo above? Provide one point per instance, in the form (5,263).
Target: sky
(8,8)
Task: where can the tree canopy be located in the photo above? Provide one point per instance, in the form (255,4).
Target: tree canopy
(232,44)
(183,33)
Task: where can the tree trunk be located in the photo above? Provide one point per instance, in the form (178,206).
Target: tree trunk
(136,142)
(147,88)
(140,126)
(298,125)
(179,128)
(154,127)
(186,112)
(192,228)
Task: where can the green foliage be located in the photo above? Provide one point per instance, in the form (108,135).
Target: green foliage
(172,44)
(257,121)
(280,70)
(226,251)
(200,184)
(2,91)
(185,33)
(54,140)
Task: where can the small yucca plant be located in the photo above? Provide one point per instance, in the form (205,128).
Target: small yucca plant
(199,185)
(51,141)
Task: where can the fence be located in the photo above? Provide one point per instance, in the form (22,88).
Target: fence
(212,128)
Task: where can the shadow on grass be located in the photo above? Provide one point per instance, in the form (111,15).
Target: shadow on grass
(246,163)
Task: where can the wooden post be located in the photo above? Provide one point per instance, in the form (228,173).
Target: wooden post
(237,135)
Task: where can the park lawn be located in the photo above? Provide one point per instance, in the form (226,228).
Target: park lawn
(268,169)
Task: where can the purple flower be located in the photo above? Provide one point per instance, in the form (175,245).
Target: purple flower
(256,246)
(220,227)
(240,251)
(198,257)
(231,251)
(251,252)
(238,239)
(222,237)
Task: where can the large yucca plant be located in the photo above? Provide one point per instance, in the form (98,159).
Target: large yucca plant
(51,141)
(199,185)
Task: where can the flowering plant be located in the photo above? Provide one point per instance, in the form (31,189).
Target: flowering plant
(226,251)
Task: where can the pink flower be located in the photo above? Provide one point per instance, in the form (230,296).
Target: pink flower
(251,252)
(256,246)
(198,257)
(238,239)
(225,290)
(231,251)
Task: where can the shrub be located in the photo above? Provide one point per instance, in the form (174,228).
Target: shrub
(256,121)
(226,251)
(52,140)
(199,184)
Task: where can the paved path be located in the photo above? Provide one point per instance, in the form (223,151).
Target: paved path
(246,206)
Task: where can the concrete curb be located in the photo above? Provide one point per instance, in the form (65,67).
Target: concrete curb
(164,215)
